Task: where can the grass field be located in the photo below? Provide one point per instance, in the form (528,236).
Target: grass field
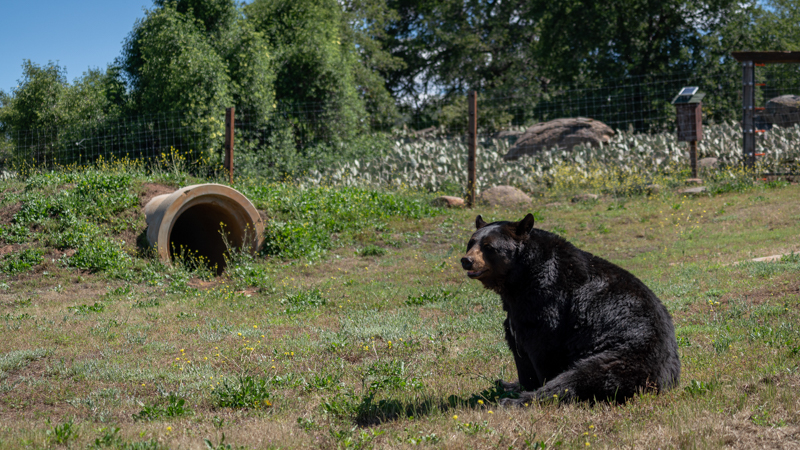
(359,329)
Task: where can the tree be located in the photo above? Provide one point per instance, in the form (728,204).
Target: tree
(451,47)
(170,66)
(41,115)
(196,58)
(314,67)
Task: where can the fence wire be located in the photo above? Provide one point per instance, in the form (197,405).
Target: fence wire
(292,136)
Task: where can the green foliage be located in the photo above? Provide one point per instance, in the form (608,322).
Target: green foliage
(435,296)
(172,66)
(46,102)
(314,67)
(220,446)
(172,406)
(15,233)
(697,388)
(372,250)
(215,16)
(63,433)
(22,261)
(242,268)
(302,300)
(100,254)
(390,375)
(306,218)
(74,216)
(482,45)
(245,392)
(86,309)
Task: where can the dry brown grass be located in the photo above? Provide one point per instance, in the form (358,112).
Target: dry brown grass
(738,325)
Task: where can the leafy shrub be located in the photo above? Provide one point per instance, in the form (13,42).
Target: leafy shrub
(15,233)
(302,300)
(241,267)
(438,295)
(173,406)
(63,433)
(22,261)
(71,216)
(295,239)
(306,218)
(103,195)
(100,254)
(245,392)
(372,250)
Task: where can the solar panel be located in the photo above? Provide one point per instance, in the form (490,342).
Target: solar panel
(691,90)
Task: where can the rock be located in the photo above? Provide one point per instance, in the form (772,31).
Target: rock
(561,133)
(707,163)
(653,188)
(783,111)
(771,258)
(448,201)
(504,196)
(584,198)
(693,191)
(694,181)
(508,134)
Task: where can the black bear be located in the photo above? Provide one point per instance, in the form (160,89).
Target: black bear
(579,327)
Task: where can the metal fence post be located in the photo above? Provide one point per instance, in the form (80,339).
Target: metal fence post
(229,128)
(748,120)
(472,136)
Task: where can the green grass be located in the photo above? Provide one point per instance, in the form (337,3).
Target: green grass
(356,327)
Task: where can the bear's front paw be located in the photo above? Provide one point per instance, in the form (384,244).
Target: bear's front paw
(510,387)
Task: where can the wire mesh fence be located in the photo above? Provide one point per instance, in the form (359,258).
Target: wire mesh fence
(317,139)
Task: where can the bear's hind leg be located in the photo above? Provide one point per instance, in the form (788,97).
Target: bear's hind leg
(598,378)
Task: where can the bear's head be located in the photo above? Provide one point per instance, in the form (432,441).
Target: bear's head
(492,249)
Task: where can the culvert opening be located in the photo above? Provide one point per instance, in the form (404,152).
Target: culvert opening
(198,233)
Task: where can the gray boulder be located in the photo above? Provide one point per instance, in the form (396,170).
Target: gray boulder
(783,111)
(561,133)
(708,163)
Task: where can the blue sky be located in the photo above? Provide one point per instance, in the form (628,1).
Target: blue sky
(76,34)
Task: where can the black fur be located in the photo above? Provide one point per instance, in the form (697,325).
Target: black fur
(579,327)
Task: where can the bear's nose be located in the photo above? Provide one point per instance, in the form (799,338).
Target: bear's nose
(466,262)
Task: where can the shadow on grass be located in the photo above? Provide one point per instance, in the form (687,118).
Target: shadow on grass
(370,412)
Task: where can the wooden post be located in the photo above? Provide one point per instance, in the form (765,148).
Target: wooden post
(693,157)
(748,119)
(472,137)
(229,127)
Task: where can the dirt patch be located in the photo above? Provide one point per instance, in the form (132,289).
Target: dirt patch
(7,213)
(150,190)
(11,248)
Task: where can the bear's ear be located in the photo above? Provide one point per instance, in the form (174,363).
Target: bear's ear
(525,225)
(479,222)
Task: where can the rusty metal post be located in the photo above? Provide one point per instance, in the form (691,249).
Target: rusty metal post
(693,157)
(472,137)
(748,119)
(229,127)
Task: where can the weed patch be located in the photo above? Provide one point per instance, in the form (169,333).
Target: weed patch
(171,406)
(244,392)
(303,300)
(22,261)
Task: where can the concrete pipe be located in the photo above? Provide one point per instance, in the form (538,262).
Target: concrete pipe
(191,220)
